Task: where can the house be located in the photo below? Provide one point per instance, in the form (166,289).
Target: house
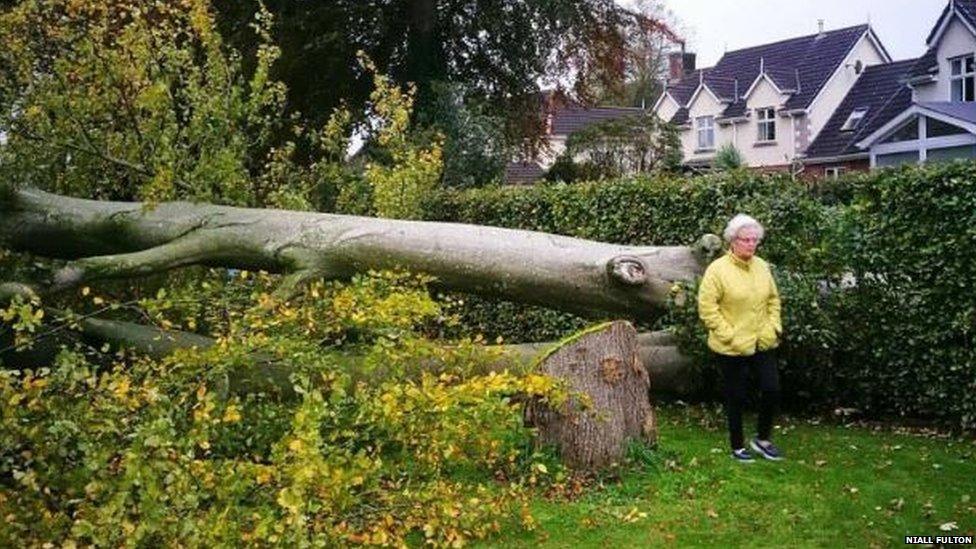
(563,118)
(914,111)
(771,101)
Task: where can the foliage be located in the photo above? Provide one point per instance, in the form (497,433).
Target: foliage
(624,146)
(728,158)
(111,448)
(130,100)
(399,188)
(475,151)
(503,52)
(646,59)
(909,321)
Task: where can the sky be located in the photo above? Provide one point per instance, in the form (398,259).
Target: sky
(713,26)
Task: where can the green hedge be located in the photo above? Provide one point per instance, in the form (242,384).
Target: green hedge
(908,328)
(897,343)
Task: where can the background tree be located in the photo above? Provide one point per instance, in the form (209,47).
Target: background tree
(623,146)
(127,100)
(500,51)
(646,57)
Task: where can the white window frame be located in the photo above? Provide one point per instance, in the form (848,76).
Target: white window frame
(705,131)
(966,80)
(766,125)
(834,172)
(855,119)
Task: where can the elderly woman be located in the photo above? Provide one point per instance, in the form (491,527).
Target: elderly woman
(739,304)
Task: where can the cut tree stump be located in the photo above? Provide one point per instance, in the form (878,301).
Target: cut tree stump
(610,405)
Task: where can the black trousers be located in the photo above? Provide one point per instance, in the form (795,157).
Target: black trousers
(735,382)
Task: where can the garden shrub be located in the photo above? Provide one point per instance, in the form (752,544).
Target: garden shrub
(109,448)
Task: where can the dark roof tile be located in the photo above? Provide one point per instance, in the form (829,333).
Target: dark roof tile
(680,117)
(683,90)
(801,64)
(967,8)
(572,119)
(925,65)
(881,89)
(965,111)
(734,110)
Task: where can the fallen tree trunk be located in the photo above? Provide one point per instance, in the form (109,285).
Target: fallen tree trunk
(105,240)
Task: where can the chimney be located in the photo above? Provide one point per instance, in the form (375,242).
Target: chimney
(680,64)
(820,27)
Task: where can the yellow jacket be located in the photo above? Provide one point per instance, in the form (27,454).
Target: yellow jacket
(739,304)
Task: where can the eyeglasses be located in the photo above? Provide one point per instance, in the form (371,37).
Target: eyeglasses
(748,240)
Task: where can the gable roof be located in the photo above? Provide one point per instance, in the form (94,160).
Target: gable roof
(574,118)
(966,9)
(881,89)
(957,114)
(799,66)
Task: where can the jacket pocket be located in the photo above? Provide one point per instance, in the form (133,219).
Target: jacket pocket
(743,341)
(767,338)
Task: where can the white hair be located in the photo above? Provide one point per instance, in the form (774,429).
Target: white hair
(739,222)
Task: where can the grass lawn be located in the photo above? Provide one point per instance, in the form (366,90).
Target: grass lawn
(860,486)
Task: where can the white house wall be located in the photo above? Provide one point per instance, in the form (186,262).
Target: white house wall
(667,109)
(956,40)
(557,145)
(764,154)
(839,84)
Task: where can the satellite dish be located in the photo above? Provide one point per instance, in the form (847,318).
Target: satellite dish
(858,67)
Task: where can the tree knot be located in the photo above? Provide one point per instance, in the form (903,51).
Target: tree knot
(611,369)
(628,270)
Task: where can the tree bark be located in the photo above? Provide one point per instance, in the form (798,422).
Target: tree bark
(107,240)
(593,431)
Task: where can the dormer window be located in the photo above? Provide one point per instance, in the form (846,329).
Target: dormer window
(854,120)
(962,71)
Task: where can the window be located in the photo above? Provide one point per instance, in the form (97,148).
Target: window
(964,152)
(897,159)
(705,126)
(938,128)
(908,132)
(854,120)
(961,74)
(833,172)
(766,122)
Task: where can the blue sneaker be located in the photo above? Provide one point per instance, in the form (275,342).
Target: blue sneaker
(766,449)
(742,456)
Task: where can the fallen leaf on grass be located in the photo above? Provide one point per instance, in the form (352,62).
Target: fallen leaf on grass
(896,504)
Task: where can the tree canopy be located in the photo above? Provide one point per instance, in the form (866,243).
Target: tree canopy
(500,51)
